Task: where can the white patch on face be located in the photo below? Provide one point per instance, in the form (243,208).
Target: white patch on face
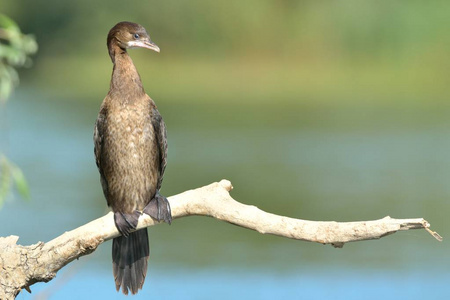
(134,44)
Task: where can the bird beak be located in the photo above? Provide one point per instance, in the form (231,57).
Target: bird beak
(144,44)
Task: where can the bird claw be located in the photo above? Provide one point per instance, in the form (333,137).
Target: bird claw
(125,223)
(159,208)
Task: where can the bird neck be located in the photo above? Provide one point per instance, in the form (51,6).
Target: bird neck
(126,85)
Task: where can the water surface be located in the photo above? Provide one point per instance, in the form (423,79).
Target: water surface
(318,162)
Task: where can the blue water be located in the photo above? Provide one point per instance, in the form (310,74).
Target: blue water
(315,173)
(335,283)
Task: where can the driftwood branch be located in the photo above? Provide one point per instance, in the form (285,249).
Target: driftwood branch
(22,266)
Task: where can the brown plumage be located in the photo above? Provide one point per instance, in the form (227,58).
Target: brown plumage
(131,155)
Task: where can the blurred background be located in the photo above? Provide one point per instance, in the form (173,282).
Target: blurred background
(334,110)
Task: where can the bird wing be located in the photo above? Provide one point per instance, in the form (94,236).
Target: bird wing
(161,140)
(98,144)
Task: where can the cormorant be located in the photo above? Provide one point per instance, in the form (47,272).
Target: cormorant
(131,155)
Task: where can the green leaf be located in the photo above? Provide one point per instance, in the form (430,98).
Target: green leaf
(8,23)
(11,174)
(14,50)
(20,181)
(5,179)
(8,80)
(15,47)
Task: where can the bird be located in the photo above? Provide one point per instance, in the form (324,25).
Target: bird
(130,147)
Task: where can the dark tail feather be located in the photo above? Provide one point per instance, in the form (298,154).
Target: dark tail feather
(130,256)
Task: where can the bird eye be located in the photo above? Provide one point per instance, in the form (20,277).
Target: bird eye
(136,35)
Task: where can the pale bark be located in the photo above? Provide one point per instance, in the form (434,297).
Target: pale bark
(22,266)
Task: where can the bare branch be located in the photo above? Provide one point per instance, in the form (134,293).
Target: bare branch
(26,265)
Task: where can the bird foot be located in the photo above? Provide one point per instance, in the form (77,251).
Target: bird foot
(125,223)
(159,208)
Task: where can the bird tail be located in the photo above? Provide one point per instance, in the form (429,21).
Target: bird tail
(130,256)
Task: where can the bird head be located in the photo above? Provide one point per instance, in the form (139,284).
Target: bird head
(130,35)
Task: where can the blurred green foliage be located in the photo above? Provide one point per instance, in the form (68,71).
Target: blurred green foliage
(216,50)
(11,174)
(15,48)
(282,27)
